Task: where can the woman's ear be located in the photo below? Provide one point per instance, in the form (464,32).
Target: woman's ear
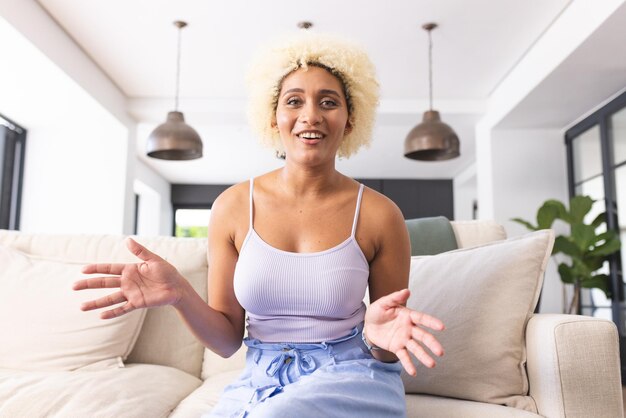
(348,128)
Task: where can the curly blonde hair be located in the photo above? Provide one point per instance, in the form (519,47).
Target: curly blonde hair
(349,63)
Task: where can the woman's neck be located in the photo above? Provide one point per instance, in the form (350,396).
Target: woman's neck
(301,181)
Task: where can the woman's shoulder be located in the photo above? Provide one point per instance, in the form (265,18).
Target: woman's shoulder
(375,202)
(237,196)
(379,214)
(232,199)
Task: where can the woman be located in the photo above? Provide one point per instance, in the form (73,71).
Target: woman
(295,250)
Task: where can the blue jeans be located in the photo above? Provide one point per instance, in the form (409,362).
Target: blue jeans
(337,378)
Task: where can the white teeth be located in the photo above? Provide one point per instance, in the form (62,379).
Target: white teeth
(310,135)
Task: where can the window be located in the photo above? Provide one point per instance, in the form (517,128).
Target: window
(192,208)
(596,150)
(12,148)
(192,222)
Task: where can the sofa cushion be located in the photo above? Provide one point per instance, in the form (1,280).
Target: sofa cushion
(420,406)
(485,295)
(130,392)
(432,235)
(41,321)
(205,397)
(214,364)
(163,339)
(478,232)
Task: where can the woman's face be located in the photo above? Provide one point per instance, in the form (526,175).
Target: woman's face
(312,115)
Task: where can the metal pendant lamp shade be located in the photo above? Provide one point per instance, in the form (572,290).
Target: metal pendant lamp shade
(174,139)
(431,140)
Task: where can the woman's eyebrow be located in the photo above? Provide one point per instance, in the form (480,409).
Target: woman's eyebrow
(294,90)
(331,92)
(323,91)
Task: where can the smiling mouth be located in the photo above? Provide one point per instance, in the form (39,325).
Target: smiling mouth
(310,138)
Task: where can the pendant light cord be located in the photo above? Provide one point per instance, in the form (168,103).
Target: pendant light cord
(177,71)
(430,69)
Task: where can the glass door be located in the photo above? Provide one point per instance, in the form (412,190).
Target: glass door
(596,149)
(589,181)
(617,146)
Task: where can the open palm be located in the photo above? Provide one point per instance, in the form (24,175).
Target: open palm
(393,327)
(153,282)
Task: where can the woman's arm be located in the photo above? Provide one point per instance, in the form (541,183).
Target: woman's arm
(388,323)
(389,269)
(220,324)
(154,282)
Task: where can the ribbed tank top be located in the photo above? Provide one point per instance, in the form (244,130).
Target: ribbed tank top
(301,297)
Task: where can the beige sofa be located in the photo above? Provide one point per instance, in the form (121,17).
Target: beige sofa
(572,361)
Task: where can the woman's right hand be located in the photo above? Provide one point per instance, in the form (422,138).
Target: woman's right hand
(153,282)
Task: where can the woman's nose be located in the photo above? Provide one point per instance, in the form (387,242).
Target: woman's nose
(310,114)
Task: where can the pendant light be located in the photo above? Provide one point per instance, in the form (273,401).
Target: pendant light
(431,140)
(174,139)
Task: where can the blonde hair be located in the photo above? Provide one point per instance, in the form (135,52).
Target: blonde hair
(349,63)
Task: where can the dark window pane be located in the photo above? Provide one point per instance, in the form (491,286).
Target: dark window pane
(620,188)
(587,155)
(595,189)
(618,136)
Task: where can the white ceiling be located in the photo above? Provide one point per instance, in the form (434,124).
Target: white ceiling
(134,42)
(585,80)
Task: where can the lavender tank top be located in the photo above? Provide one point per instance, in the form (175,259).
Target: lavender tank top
(301,297)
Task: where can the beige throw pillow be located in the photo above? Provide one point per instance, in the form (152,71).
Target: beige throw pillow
(41,324)
(485,296)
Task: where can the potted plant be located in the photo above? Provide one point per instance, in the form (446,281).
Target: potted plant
(586,248)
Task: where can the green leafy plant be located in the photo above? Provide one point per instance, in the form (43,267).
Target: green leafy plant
(586,248)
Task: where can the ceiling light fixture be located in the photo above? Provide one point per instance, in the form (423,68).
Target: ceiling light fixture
(305,24)
(431,140)
(174,139)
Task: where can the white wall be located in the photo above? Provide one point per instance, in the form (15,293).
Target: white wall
(529,167)
(148,219)
(155,209)
(76,160)
(63,98)
(465,193)
(66,193)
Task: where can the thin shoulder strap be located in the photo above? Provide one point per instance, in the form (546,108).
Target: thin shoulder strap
(251,202)
(356,212)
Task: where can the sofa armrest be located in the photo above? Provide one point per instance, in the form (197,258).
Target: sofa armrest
(573,366)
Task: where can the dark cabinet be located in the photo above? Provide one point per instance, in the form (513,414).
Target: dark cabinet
(417,198)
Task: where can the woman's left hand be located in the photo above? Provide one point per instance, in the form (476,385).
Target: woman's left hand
(393,327)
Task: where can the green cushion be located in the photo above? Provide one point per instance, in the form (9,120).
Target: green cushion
(431,236)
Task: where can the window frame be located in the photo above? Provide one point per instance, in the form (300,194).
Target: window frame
(602,119)
(12,166)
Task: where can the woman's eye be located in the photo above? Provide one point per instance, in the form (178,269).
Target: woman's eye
(329,103)
(293,101)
